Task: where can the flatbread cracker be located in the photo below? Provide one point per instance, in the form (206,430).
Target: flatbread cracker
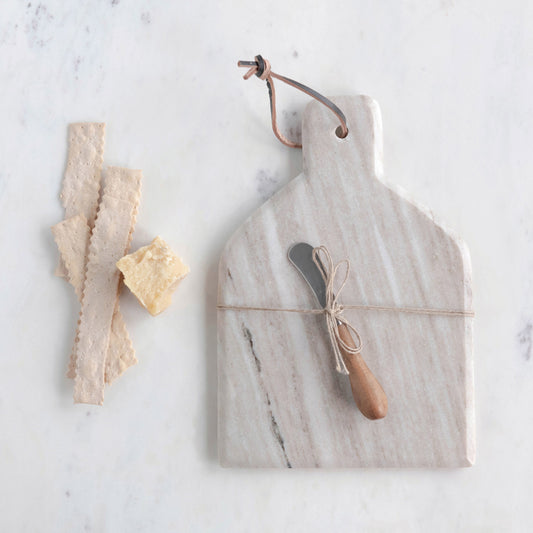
(120,353)
(72,239)
(83,175)
(108,243)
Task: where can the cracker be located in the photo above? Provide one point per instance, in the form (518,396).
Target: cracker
(83,175)
(120,353)
(72,239)
(109,241)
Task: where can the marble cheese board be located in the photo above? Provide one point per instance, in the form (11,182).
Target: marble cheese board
(280,401)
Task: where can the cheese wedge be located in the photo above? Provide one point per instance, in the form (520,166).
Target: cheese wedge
(152,274)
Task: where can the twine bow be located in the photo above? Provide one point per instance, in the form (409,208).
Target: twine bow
(333,310)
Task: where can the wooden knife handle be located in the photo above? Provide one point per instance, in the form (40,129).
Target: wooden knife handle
(366,390)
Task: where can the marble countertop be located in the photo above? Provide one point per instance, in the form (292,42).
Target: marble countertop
(454,83)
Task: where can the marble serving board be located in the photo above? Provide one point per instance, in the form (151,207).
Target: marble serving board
(280,401)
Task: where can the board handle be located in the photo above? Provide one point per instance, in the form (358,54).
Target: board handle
(367,392)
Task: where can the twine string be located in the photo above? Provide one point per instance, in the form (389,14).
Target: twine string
(334,310)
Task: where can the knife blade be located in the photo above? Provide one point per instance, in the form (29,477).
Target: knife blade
(366,390)
(301,256)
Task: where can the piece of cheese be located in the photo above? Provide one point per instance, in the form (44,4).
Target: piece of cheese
(153,273)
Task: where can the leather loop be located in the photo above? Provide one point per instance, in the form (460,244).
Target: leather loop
(261,68)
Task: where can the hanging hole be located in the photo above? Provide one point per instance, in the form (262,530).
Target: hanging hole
(339,133)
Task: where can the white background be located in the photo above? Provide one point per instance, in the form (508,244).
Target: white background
(454,81)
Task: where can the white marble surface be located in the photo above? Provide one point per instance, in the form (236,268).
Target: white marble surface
(454,83)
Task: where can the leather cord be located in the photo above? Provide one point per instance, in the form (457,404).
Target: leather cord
(261,68)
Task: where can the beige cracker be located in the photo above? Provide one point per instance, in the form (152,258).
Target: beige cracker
(81,184)
(72,239)
(120,353)
(109,242)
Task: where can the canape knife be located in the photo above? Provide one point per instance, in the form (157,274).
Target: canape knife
(366,390)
